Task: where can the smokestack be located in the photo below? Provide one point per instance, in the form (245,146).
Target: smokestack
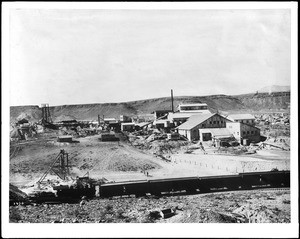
(172,101)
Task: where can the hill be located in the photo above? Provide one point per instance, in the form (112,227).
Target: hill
(224,103)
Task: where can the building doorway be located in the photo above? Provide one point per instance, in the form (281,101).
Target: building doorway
(206,136)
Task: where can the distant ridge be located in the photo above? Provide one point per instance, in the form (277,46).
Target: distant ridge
(274,88)
(224,103)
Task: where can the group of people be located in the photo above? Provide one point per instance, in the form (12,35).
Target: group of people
(145,172)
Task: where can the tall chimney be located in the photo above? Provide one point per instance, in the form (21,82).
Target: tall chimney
(172,101)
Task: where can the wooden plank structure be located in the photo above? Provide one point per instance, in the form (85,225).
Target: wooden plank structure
(60,166)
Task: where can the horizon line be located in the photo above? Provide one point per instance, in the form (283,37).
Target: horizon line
(124,102)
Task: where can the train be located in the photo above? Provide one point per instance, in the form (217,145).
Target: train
(166,186)
(241,181)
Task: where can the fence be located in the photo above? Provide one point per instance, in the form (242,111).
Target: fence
(236,167)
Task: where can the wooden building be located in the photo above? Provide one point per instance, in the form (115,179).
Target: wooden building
(190,128)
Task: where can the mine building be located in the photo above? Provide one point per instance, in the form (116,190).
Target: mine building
(244,133)
(193,108)
(191,129)
(110,120)
(128,126)
(125,119)
(185,111)
(243,118)
(112,123)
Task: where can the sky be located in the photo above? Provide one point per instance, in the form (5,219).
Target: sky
(77,56)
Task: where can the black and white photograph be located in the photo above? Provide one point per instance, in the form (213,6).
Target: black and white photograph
(162,119)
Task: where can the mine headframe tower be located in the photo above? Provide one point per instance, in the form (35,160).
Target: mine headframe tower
(60,166)
(46,117)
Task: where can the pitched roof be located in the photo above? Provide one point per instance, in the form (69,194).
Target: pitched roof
(195,120)
(252,126)
(241,116)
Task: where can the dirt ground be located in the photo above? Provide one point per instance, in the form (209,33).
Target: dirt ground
(119,161)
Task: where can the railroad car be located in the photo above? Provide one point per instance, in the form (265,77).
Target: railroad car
(138,188)
(157,186)
(265,179)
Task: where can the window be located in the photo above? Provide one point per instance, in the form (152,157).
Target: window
(210,122)
(247,132)
(244,132)
(237,133)
(203,125)
(214,121)
(252,132)
(184,108)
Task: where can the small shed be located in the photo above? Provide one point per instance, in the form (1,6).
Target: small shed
(127,126)
(166,213)
(65,138)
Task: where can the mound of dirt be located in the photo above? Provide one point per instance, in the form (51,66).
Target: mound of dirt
(16,194)
(31,113)
(89,154)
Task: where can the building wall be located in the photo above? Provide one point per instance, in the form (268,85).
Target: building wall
(186,133)
(244,131)
(249,132)
(246,121)
(125,127)
(124,118)
(235,129)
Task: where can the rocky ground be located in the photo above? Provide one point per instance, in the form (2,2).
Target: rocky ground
(255,206)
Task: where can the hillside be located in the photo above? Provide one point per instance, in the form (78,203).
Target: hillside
(240,103)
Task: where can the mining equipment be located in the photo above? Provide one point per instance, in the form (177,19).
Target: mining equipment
(72,191)
(46,117)
(60,166)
